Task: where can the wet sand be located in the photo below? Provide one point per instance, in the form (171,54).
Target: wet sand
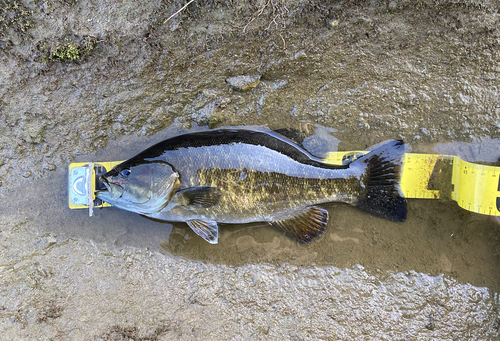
(433,276)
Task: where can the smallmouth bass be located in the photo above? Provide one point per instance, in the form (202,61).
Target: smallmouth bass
(242,176)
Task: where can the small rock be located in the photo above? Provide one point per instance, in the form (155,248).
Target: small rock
(49,166)
(46,241)
(444,263)
(300,54)
(222,102)
(424,131)
(333,23)
(243,82)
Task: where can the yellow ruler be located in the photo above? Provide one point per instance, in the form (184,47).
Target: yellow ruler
(473,186)
(82,183)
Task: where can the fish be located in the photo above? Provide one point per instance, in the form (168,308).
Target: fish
(238,176)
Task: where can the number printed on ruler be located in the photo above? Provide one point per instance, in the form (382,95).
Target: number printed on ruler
(477,188)
(498,194)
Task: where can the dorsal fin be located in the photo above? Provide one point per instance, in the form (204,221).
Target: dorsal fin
(222,136)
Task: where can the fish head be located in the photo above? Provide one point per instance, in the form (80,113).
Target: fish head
(144,187)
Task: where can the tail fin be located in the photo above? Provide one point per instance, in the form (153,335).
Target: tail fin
(382,195)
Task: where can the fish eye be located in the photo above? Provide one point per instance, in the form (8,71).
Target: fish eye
(125,173)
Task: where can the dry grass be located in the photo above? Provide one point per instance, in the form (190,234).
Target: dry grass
(179,11)
(277,16)
(278,12)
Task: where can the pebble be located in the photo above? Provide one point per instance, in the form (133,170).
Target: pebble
(424,131)
(244,82)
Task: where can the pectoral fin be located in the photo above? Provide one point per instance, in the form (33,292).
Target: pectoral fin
(305,224)
(202,196)
(208,230)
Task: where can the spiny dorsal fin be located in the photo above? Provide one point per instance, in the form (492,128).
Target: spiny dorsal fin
(202,196)
(305,224)
(208,230)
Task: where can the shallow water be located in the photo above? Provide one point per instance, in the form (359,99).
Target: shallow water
(437,269)
(438,236)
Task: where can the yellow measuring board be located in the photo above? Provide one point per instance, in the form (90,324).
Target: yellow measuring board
(82,183)
(473,186)
(477,187)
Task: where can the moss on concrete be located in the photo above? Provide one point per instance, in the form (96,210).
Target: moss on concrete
(67,50)
(14,15)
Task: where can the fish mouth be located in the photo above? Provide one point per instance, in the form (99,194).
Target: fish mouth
(114,188)
(105,182)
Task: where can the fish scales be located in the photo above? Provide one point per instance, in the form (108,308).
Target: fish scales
(245,191)
(251,188)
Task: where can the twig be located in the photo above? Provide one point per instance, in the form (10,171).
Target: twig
(256,14)
(182,8)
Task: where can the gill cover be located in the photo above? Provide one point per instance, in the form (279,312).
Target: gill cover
(143,188)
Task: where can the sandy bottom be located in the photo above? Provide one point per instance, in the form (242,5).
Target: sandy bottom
(118,276)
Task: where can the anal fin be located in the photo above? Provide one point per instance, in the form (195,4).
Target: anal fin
(304,224)
(208,230)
